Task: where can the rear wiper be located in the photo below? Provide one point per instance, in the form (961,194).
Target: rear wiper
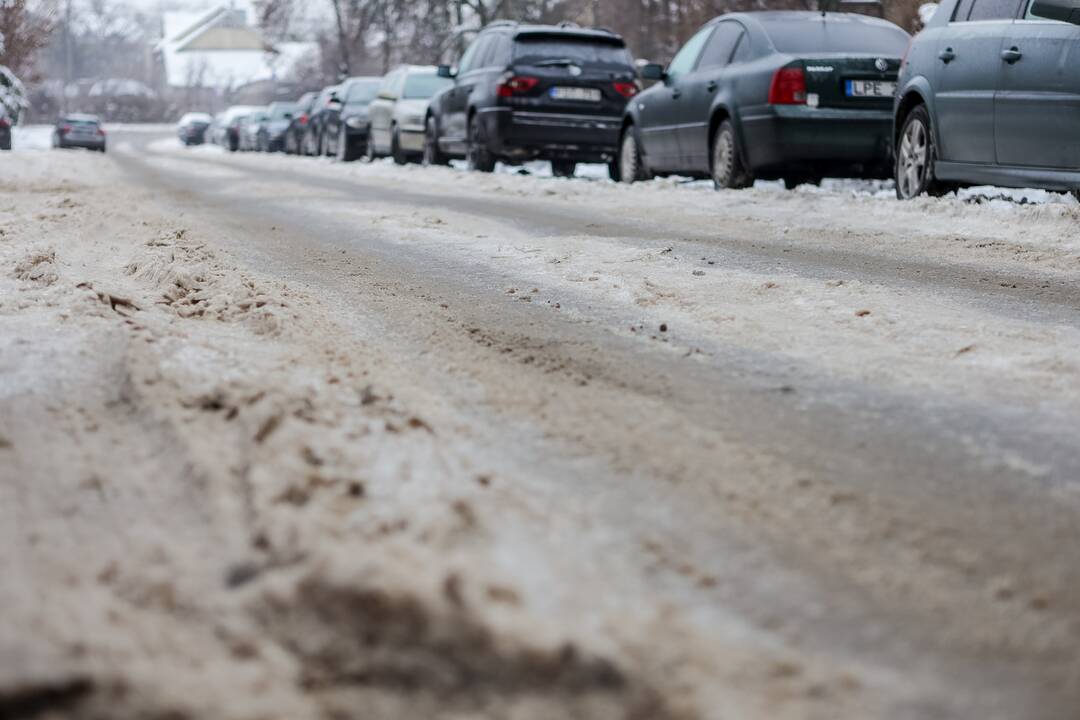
(560,62)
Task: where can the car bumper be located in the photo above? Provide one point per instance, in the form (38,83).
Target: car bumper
(411,139)
(87,144)
(782,136)
(551,135)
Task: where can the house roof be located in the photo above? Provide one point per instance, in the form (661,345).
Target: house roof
(218,49)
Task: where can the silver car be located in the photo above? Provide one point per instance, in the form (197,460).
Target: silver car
(397,113)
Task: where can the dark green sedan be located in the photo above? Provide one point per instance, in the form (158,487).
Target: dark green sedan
(771,95)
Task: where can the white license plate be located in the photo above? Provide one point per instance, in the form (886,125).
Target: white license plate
(870,88)
(576,93)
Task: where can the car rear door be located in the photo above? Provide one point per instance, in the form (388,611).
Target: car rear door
(969,70)
(1037,109)
(699,91)
(381,110)
(663,110)
(456,103)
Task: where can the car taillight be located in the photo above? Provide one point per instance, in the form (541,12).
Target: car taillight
(788,87)
(4,124)
(65,129)
(627,89)
(303,119)
(101,132)
(512,85)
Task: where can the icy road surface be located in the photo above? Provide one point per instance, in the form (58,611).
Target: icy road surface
(283,438)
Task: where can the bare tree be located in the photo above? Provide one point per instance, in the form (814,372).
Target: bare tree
(25,27)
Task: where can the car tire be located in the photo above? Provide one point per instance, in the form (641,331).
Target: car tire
(631,166)
(346,151)
(916,154)
(728,172)
(5,143)
(400,158)
(432,154)
(477,155)
(563,168)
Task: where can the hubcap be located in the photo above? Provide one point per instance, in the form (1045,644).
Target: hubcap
(914,152)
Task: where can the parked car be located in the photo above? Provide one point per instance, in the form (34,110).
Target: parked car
(193,127)
(270,134)
(228,132)
(988,95)
(791,95)
(397,113)
(315,132)
(12,103)
(250,127)
(79,131)
(525,92)
(294,135)
(345,120)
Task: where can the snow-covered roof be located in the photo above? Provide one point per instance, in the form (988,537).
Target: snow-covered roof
(218,49)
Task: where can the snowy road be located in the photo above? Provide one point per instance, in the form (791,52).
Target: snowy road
(761,454)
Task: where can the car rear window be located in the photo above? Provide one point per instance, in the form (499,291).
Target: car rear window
(836,34)
(579,50)
(84,124)
(362,92)
(421,86)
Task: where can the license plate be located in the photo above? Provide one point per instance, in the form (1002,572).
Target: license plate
(870,88)
(576,93)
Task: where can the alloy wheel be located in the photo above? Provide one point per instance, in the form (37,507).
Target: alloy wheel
(629,161)
(913,159)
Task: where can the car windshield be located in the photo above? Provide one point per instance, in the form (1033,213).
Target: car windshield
(420,86)
(836,34)
(362,92)
(552,49)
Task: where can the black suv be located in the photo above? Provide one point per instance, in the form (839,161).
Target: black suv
(525,92)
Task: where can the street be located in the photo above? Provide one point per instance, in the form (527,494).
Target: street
(283,437)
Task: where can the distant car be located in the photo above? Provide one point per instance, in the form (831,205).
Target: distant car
(345,120)
(294,134)
(250,128)
(79,131)
(772,95)
(193,127)
(989,95)
(228,123)
(525,92)
(270,135)
(314,133)
(397,114)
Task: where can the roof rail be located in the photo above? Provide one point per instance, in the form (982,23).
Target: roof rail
(568,24)
(500,23)
(598,28)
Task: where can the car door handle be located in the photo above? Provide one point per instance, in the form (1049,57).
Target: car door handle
(711,87)
(947,55)
(1011,55)
(676,94)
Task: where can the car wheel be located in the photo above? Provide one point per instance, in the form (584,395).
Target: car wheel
(563,168)
(395,149)
(728,172)
(631,167)
(344,152)
(432,154)
(915,157)
(477,156)
(5,143)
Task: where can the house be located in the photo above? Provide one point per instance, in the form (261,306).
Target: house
(207,55)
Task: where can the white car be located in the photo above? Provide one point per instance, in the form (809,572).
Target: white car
(397,113)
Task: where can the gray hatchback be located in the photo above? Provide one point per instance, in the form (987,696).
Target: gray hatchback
(990,94)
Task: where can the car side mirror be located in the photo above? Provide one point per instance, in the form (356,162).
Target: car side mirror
(445,71)
(653,71)
(1061,10)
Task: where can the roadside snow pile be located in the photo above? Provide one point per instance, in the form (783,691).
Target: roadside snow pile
(31,137)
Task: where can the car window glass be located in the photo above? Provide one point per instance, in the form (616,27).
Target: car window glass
(468,60)
(420,86)
(362,92)
(963,9)
(583,51)
(994,10)
(687,57)
(500,51)
(837,34)
(743,51)
(718,50)
(483,53)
